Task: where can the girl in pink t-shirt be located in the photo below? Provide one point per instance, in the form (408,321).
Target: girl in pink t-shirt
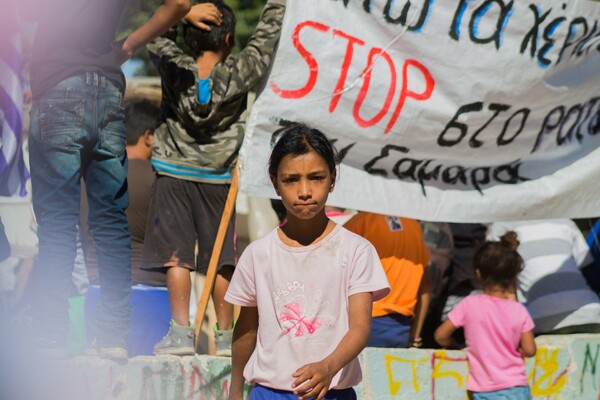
(306,289)
(498,329)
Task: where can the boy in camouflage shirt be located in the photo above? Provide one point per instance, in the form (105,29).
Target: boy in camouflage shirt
(196,144)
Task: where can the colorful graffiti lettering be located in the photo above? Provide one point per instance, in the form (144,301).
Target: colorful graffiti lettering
(546,378)
(172,384)
(564,368)
(439,360)
(394,384)
(442,367)
(591,362)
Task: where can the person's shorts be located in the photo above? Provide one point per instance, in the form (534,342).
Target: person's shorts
(182,213)
(260,392)
(392,331)
(513,393)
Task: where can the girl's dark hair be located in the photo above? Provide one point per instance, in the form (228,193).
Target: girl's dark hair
(498,262)
(297,139)
(215,40)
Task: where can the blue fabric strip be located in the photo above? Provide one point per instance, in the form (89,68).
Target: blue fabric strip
(222,175)
(204,86)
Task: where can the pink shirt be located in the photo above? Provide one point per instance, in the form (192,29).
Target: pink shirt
(302,299)
(493,329)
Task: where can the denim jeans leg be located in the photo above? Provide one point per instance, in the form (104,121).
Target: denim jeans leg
(106,184)
(56,133)
(80,275)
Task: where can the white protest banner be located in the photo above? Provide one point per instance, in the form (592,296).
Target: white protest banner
(465,111)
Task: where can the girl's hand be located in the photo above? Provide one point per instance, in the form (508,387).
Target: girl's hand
(313,380)
(201,13)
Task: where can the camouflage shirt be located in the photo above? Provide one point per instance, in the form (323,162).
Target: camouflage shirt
(198,142)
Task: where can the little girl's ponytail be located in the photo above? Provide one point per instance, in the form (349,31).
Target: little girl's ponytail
(509,240)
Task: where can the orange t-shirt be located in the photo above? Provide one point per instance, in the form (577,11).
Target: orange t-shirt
(401,247)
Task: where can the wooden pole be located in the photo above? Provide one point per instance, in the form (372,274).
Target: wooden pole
(211,273)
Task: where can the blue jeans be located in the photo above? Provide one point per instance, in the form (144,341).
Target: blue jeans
(513,393)
(78,130)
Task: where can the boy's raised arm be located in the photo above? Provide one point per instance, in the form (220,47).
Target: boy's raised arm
(165,16)
(252,63)
(166,45)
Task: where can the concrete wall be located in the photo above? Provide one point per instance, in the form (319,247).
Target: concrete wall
(565,367)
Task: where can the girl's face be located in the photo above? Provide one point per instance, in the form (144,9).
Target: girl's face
(303,182)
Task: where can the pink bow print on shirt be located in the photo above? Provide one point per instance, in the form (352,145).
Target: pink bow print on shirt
(294,316)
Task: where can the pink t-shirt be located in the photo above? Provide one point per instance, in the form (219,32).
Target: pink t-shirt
(493,329)
(302,299)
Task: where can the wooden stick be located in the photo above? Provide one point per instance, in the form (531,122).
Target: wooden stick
(211,273)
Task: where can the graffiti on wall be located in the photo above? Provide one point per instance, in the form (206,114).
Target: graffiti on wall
(588,379)
(168,382)
(553,372)
(548,375)
(406,375)
(567,370)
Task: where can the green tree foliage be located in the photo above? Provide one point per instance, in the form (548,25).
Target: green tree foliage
(247,13)
(139,11)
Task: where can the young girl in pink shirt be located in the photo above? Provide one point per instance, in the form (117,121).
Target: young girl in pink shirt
(498,329)
(305,289)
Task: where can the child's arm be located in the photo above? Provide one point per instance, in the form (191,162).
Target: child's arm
(252,63)
(527,347)
(165,16)
(423,298)
(443,334)
(166,46)
(313,380)
(170,59)
(244,343)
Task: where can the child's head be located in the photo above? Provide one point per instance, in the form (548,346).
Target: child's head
(298,139)
(498,262)
(141,116)
(219,38)
(302,168)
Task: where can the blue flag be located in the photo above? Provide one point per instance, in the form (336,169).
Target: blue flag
(13,172)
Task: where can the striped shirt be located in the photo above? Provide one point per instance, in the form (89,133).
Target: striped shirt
(551,285)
